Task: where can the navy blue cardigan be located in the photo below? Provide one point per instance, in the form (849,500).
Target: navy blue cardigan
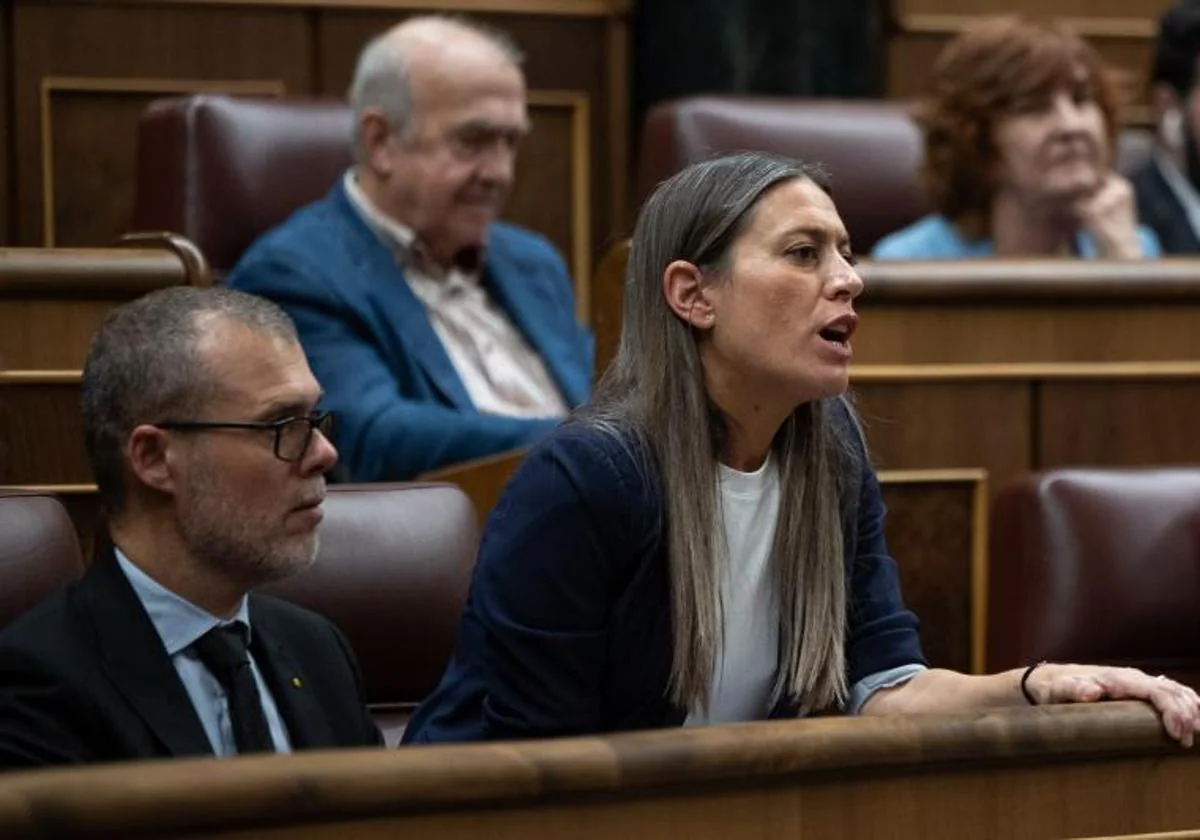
(567,628)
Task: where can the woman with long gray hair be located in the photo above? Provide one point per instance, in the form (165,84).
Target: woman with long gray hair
(704,541)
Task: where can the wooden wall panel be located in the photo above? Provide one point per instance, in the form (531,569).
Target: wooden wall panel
(1119,423)
(127,53)
(41,433)
(1008,334)
(562,54)
(936,531)
(6,128)
(934,425)
(25,325)
(1065,8)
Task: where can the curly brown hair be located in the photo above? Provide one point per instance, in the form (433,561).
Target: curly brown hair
(999,66)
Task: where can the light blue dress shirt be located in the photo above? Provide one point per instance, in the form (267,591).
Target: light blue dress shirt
(180,623)
(937,238)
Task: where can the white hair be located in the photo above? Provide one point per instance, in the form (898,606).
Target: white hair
(381,76)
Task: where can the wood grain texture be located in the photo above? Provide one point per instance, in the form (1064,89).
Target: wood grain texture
(1140,9)
(929,425)
(931,534)
(608,302)
(1011,281)
(926,333)
(1119,424)
(7,203)
(52,301)
(96,133)
(1030,773)
(41,433)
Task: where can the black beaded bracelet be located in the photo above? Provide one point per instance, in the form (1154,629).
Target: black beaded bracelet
(1025,679)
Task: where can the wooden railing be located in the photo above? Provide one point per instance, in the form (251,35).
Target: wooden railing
(1051,772)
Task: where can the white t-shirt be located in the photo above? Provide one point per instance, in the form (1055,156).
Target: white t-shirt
(747,661)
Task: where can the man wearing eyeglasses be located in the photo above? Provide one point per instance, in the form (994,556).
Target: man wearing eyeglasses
(209,455)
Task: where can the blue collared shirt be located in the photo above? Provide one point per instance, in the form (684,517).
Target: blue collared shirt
(179,624)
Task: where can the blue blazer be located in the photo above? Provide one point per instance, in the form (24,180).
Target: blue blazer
(401,407)
(567,627)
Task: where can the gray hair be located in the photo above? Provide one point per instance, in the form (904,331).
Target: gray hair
(381,76)
(655,390)
(143,366)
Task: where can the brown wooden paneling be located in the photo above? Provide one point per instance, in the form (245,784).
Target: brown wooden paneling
(911,57)
(562,54)
(1129,9)
(1072,9)
(25,325)
(52,300)
(931,425)
(1119,423)
(41,432)
(95,133)
(608,303)
(935,531)
(6,128)
(1086,770)
(927,333)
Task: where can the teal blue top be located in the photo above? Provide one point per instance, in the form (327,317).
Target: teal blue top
(937,238)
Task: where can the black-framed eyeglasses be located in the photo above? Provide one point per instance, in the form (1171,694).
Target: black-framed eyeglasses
(292,434)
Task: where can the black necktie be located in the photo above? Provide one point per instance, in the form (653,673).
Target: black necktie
(223,652)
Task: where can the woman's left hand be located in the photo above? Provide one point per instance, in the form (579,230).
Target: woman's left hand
(1177,704)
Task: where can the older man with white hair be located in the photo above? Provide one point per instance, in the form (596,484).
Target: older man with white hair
(439,333)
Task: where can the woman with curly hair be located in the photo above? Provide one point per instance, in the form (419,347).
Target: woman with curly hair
(1020,134)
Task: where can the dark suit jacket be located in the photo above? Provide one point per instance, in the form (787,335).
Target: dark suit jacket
(1159,209)
(402,408)
(567,628)
(84,677)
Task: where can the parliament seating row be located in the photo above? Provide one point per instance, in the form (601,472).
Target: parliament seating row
(221,171)
(950,403)
(1096,566)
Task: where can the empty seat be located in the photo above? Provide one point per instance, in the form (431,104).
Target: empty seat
(1097,565)
(223,170)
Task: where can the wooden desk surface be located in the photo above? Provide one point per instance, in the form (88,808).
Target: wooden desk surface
(1071,771)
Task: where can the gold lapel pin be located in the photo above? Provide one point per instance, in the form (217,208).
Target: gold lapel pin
(297,682)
